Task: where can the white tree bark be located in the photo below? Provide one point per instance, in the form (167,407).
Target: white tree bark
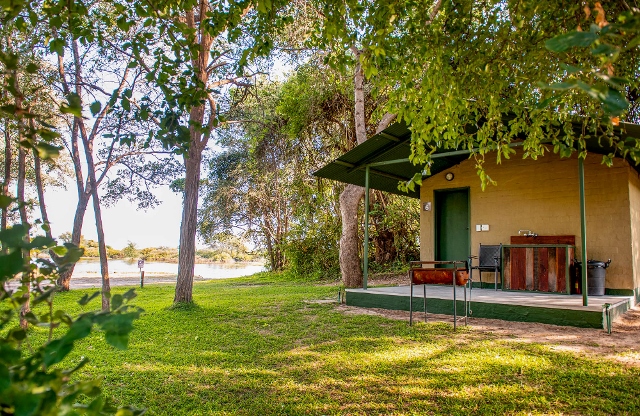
(350,264)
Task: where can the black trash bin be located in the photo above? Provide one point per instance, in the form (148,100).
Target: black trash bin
(596,275)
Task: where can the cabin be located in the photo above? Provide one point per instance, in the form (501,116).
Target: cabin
(544,214)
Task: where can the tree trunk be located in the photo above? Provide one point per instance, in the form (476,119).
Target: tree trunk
(187,253)
(26,254)
(76,234)
(40,190)
(349,242)
(87,141)
(199,136)
(350,267)
(84,193)
(7,176)
(102,248)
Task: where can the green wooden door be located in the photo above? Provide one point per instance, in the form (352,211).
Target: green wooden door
(452,224)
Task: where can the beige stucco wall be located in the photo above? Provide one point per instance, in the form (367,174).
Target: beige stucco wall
(634,207)
(543,196)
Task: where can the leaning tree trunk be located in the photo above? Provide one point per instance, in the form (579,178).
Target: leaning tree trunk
(102,249)
(87,142)
(84,194)
(187,253)
(76,235)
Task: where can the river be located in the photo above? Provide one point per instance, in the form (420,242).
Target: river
(90,267)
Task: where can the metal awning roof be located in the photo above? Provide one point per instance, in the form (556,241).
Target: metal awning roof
(387,155)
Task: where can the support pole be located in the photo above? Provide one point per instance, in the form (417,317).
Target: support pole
(365,275)
(583,232)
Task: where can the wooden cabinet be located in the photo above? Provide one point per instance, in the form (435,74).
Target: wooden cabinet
(538,266)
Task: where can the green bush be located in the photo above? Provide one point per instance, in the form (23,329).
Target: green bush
(315,257)
(32,379)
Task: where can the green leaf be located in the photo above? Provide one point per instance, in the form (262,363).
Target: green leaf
(73,254)
(32,68)
(59,250)
(5,201)
(57,46)
(47,151)
(13,236)
(117,328)
(572,39)
(87,298)
(5,378)
(545,103)
(95,107)
(605,49)
(74,105)
(129,294)
(116,302)
(614,103)
(45,295)
(571,69)
(79,329)
(25,403)
(18,334)
(8,354)
(563,85)
(41,242)
(55,351)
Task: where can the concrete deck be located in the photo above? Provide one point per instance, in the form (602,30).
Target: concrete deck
(551,308)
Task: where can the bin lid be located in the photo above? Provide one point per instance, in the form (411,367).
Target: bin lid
(596,263)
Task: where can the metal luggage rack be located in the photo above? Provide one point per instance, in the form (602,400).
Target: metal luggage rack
(458,275)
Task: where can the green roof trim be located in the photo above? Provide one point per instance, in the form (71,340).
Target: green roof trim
(387,155)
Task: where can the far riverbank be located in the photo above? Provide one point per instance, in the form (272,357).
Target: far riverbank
(198,260)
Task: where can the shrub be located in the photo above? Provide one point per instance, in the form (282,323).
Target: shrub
(32,381)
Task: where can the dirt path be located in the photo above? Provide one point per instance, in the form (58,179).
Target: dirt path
(115,279)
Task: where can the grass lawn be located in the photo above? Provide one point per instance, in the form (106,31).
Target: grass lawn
(266,346)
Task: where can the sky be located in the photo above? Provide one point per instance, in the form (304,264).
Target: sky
(122,222)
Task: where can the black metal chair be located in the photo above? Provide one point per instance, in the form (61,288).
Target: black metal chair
(489,260)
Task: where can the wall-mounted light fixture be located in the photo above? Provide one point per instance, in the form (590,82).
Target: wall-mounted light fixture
(449,176)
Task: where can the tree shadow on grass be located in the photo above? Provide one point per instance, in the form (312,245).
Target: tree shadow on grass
(423,371)
(263,355)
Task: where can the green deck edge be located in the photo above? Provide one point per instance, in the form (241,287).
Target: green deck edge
(563,317)
(615,312)
(485,285)
(624,292)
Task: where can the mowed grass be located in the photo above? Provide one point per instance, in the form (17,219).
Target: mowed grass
(267,346)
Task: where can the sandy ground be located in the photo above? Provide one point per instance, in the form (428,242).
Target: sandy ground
(123,279)
(623,344)
(93,280)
